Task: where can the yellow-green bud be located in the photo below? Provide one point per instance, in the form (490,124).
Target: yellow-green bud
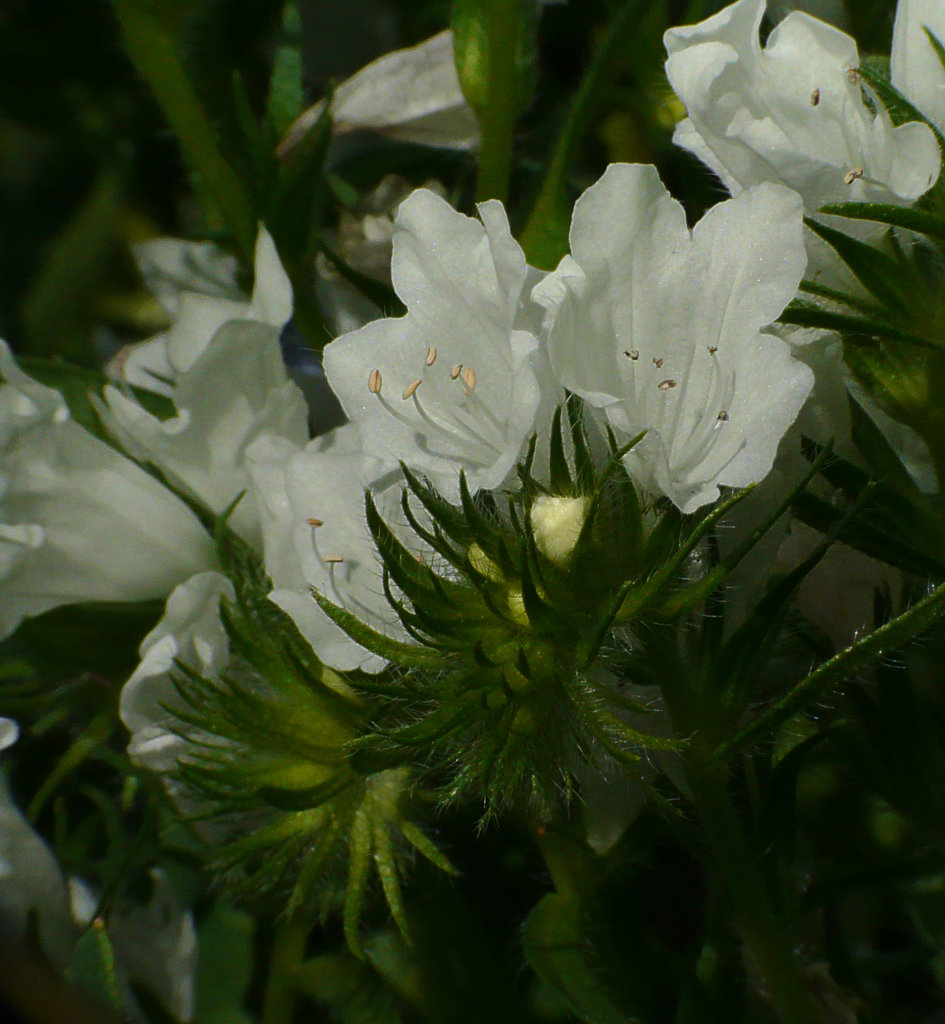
(556,523)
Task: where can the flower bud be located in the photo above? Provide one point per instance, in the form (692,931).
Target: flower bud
(557,522)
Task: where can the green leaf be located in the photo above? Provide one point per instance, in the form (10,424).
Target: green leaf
(908,217)
(805,314)
(881,642)
(545,238)
(286,96)
(93,968)
(152,47)
(881,274)
(225,942)
(556,948)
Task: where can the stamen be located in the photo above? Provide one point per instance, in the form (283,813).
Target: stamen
(665,385)
(722,416)
(657,362)
(333,559)
(314,523)
(431,355)
(713,349)
(374,382)
(456,371)
(469,378)
(853,75)
(632,353)
(852,175)
(410,389)
(815,98)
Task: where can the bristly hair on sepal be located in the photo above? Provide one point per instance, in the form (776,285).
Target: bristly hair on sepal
(513,610)
(267,777)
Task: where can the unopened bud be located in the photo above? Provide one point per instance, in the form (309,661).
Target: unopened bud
(557,522)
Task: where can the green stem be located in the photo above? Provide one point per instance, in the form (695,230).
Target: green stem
(498,114)
(768,944)
(867,651)
(766,938)
(545,238)
(155,55)
(288,953)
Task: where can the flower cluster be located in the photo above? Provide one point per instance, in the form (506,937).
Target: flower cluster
(437,600)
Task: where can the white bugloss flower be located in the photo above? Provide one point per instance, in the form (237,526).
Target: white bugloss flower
(78,521)
(456,382)
(196,283)
(412,95)
(236,390)
(915,68)
(311,503)
(659,329)
(189,633)
(792,112)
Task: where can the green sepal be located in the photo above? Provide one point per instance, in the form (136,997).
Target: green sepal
(910,218)
(379,644)
(93,968)
(881,274)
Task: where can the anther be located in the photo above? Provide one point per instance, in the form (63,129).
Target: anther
(815,97)
(853,75)
(665,385)
(469,378)
(658,362)
(456,371)
(722,416)
(333,559)
(410,389)
(374,382)
(314,523)
(713,349)
(852,175)
(431,355)
(632,353)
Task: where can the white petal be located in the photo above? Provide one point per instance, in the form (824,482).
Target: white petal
(189,632)
(412,95)
(661,330)
(915,67)
(468,338)
(236,391)
(792,112)
(80,521)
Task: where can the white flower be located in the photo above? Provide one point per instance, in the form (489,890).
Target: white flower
(154,945)
(659,328)
(412,95)
(311,503)
(196,283)
(456,383)
(78,521)
(236,391)
(915,68)
(792,112)
(189,633)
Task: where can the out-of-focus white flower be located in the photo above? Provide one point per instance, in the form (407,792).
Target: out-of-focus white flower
(660,329)
(196,283)
(235,391)
(792,112)
(154,945)
(30,879)
(189,633)
(915,68)
(412,95)
(456,383)
(78,521)
(311,504)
